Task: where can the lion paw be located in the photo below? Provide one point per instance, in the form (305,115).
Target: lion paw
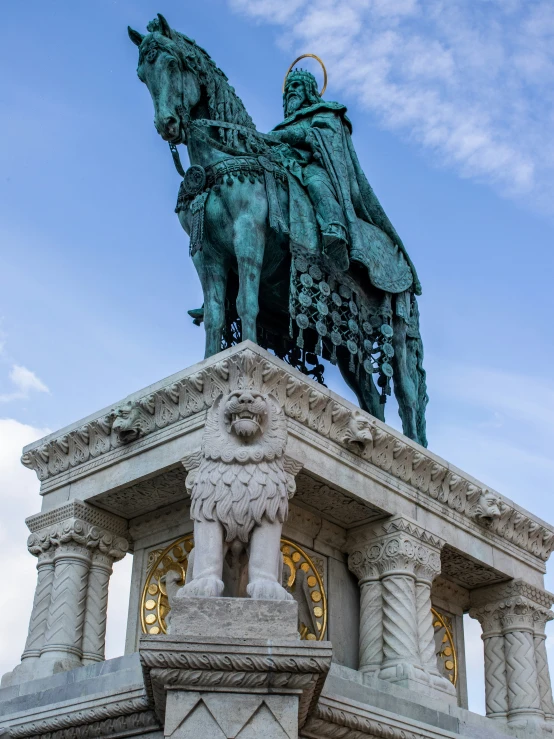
(203,587)
(267,590)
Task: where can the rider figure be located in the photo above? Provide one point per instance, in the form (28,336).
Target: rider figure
(305,110)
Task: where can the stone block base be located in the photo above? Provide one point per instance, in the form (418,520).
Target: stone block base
(193,714)
(235,618)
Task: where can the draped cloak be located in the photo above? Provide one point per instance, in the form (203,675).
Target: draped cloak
(374,242)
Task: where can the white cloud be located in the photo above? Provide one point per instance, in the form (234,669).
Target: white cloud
(25,382)
(470,82)
(20,498)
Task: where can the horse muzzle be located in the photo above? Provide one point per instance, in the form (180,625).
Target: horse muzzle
(169,129)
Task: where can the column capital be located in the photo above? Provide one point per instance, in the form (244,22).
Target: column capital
(512,605)
(78,524)
(395,545)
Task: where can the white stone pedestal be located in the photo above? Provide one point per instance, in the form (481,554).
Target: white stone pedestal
(258,683)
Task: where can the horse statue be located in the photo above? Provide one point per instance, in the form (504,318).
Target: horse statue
(291,245)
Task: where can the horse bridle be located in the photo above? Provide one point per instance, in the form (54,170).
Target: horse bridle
(202,123)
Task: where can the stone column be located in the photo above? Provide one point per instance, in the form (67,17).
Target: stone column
(521,668)
(76,545)
(396,562)
(110,549)
(41,603)
(517,680)
(496,687)
(371,606)
(541,618)
(66,615)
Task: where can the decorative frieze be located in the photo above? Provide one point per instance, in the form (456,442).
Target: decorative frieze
(308,404)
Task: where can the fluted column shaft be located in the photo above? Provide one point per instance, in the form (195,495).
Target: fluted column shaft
(66,616)
(371,626)
(94,632)
(41,604)
(426,632)
(496,687)
(521,668)
(543,672)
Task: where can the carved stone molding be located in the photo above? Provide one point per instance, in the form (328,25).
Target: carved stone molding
(221,664)
(78,509)
(332,503)
(512,589)
(112,720)
(147,495)
(341,721)
(247,366)
(467,572)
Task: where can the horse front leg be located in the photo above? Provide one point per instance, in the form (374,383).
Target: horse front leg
(212,271)
(249,245)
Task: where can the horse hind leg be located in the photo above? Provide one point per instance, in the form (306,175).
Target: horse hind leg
(363,387)
(409,383)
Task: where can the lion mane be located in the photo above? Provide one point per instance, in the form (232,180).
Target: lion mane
(241,478)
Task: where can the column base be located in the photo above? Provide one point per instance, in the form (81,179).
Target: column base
(413,677)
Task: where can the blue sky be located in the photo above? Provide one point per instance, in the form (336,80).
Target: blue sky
(452,106)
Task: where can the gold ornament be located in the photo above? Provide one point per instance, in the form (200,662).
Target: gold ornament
(446,649)
(154,605)
(308,56)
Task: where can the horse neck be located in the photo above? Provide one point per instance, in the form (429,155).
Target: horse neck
(203,152)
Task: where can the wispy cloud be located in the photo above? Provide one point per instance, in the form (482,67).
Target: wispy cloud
(470,81)
(25,382)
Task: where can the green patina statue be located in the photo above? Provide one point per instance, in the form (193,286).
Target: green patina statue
(292,247)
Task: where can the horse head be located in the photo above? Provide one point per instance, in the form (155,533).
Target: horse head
(172,83)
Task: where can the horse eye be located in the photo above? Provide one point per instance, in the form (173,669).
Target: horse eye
(151,56)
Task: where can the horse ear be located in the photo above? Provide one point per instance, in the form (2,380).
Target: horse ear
(164,26)
(135,36)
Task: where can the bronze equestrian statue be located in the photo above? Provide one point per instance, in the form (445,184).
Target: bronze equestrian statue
(291,244)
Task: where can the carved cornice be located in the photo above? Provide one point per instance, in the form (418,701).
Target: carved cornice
(80,524)
(190,393)
(111,720)
(221,664)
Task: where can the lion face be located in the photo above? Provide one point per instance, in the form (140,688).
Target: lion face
(244,413)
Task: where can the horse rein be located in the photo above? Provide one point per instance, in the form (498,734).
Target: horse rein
(201,123)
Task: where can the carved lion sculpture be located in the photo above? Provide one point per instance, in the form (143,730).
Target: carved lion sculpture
(487,507)
(127,423)
(239,495)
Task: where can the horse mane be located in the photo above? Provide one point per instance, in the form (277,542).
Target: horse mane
(223,102)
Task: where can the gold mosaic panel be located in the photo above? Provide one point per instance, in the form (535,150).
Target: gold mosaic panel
(445,648)
(300,577)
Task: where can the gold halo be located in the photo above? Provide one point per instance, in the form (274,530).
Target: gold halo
(306,56)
